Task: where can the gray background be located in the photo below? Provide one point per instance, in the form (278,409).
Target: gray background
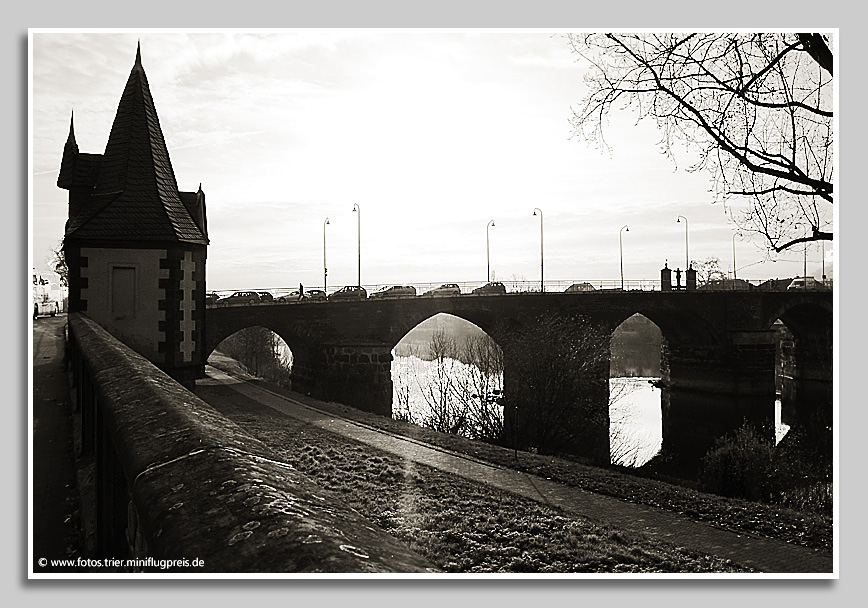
(505,590)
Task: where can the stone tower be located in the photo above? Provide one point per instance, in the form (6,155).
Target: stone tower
(135,245)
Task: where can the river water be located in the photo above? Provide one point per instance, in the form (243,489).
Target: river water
(635,430)
(635,421)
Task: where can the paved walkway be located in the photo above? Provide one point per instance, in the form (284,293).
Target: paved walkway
(766,555)
(53,474)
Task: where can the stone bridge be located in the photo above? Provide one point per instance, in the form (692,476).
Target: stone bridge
(718,356)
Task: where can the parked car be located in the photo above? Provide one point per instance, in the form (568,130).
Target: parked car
(294,296)
(578,287)
(809,283)
(241,297)
(395,291)
(490,289)
(447,289)
(350,292)
(265,296)
(315,294)
(211,299)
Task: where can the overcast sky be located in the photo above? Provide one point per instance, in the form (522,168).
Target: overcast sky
(431,133)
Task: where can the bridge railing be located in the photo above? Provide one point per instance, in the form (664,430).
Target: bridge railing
(554,286)
(175,480)
(466,287)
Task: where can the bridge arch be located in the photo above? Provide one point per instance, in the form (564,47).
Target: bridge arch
(802,313)
(260,350)
(485,318)
(635,404)
(447,374)
(220,327)
(294,324)
(677,324)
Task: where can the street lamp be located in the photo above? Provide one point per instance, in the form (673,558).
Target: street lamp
(805,264)
(487,255)
(686,252)
(358,210)
(542,285)
(804,259)
(823,253)
(325,270)
(804,256)
(621,247)
(733,254)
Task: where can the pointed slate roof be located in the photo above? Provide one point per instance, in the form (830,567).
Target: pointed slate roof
(135,197)
(195,204)
(77,169)
(65,178)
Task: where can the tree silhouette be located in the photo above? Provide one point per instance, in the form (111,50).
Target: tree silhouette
(756,107)
(708,270)
(459,382)
(57,262)
(556,386)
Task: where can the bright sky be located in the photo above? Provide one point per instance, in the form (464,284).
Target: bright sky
(431,133)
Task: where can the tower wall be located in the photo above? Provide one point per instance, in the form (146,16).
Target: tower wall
(153,300)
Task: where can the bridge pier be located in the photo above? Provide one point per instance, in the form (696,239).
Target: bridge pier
(807,397)
(712,389)
(356,375)
(808,391)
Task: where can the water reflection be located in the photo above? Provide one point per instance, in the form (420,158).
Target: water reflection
(635,430)
(780,428)
(635,421)
(636,425)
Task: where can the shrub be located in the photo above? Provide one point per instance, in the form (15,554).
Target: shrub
(797,473)
(740,465)
(803,471)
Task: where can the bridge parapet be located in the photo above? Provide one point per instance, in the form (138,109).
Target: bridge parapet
(176,480)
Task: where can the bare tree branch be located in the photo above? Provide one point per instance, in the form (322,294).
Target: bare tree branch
(818,49)
(753,107)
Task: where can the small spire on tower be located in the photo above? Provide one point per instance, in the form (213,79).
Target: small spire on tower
(71,137)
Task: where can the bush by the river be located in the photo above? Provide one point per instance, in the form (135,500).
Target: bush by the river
(746,465)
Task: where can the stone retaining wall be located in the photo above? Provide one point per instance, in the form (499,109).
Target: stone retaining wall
(179,481)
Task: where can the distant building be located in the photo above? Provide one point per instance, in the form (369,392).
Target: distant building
(135,245)
(774,285)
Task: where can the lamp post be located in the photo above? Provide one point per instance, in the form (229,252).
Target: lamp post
(805,264)
(823,254)
(487,254)
(542,285)
(686,251)
(621,248)
(358,210)
(325,270)
(733,255)
(804,258)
